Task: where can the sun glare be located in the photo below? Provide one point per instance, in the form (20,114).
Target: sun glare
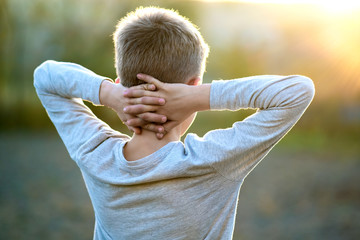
(333,6)
(336,6)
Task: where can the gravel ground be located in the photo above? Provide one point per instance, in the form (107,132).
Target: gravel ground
(290,195)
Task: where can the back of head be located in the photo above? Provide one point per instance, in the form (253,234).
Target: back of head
(160,43)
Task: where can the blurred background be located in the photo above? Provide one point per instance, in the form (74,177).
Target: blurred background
(306,188)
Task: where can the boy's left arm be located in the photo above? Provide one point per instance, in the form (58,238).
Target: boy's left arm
(62,87)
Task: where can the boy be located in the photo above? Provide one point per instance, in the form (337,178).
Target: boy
(152,186)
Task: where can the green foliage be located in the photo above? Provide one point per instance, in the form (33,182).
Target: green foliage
(244,39)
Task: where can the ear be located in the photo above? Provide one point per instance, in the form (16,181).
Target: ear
(194,81)
(117,80)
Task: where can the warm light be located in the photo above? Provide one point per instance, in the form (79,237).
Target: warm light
(333,6)
(337,6)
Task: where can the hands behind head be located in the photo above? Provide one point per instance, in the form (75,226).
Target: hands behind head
(146,105)
(155,106)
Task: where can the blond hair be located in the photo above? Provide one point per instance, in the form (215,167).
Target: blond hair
(158,42)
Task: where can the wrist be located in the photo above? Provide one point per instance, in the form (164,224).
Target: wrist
(105,95)
(201,97)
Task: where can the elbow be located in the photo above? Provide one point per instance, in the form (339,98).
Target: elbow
(41,75)
(306,87)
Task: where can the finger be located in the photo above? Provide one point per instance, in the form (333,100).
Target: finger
(146,87)
(154,128)
(139,109)
(146,101)
(137,93)
(160,135)
(135,122)
(152,117)
(150,79)
(144,125)
(136,130)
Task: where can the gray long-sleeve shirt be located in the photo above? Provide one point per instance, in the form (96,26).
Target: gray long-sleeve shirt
(185,190)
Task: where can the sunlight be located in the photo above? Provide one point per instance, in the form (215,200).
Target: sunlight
(333,6)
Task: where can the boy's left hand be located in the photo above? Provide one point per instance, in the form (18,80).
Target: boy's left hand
(112,95)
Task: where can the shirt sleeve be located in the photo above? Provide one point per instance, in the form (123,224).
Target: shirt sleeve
(61,88)
(280,101)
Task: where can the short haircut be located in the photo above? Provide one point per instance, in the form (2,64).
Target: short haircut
(160,43)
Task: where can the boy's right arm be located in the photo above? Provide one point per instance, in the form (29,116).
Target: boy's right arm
(280,102)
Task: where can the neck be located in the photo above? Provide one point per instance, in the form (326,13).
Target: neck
(147,143)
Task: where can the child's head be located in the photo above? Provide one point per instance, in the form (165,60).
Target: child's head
(160,43)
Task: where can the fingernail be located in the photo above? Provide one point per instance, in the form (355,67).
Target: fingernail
(125,108)
(139,75)
(126,92)
(162,101)
(163,119)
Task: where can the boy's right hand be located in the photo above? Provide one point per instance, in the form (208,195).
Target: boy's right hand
(112,95)
(181,100)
